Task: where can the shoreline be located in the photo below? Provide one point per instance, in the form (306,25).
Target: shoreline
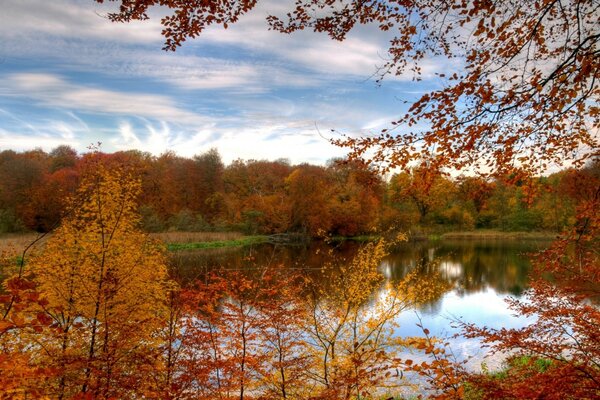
(175,241)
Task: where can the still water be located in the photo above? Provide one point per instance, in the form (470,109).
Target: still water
(481,276)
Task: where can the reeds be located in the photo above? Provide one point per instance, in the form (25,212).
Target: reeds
(196,237)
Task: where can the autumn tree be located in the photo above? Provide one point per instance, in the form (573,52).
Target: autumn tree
(20,173)
(425,187)
(255,195)
(564,336)
(63,157)
(210,168)
(474,193)
(556,208)
(352,321)
(241,337)
(284,374)
(48,199)
(308,186)
(357,197)
(96,295)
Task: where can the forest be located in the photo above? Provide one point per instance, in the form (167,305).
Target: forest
(266,197)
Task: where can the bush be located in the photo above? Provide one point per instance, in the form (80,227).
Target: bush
(9,222)
(525,220)
(151,221)
(456,216)
(186,221)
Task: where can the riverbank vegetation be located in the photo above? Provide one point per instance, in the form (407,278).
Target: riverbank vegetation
(71,320)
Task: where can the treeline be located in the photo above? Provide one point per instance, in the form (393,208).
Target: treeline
(202,194)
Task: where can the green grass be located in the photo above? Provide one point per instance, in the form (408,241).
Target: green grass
(524,363)
(359,238)
(434,237)
(243,241)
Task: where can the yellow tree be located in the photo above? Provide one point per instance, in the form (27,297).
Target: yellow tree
(351,326)
(100,285)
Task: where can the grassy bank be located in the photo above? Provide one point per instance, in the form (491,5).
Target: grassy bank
(196,237)
(241,241)
(360,238)
(15,243)
(455,235)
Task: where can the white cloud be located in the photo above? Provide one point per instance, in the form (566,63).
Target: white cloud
(73,19)
(364,50)
(16,141)
(257,142)
(82,27)
(358,55)
(182,69)
(52,91)
(193,73)
(252,117)
(127,138)
(74,35)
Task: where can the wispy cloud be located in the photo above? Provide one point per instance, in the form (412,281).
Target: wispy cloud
(83,27)
(18,141)
(68,75)
(73,19)
(192,73)
(50,90)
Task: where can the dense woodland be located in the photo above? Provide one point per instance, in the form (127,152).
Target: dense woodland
(264,197)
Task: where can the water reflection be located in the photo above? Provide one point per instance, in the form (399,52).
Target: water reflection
(479,277)
(469,266)
(481,274)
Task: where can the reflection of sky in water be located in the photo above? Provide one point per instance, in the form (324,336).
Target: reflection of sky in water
(482,276)
(485,308)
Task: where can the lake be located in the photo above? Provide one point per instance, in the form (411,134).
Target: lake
(480,274)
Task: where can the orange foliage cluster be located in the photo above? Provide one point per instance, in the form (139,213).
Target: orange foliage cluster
(564,295)
(94,315)
(525,97)
(198,194)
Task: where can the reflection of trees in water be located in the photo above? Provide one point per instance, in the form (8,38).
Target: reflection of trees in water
(189,265)
(468,266)
(501,266)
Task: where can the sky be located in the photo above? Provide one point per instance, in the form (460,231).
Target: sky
(70,76)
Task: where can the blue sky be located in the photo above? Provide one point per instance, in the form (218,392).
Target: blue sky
(70,76)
